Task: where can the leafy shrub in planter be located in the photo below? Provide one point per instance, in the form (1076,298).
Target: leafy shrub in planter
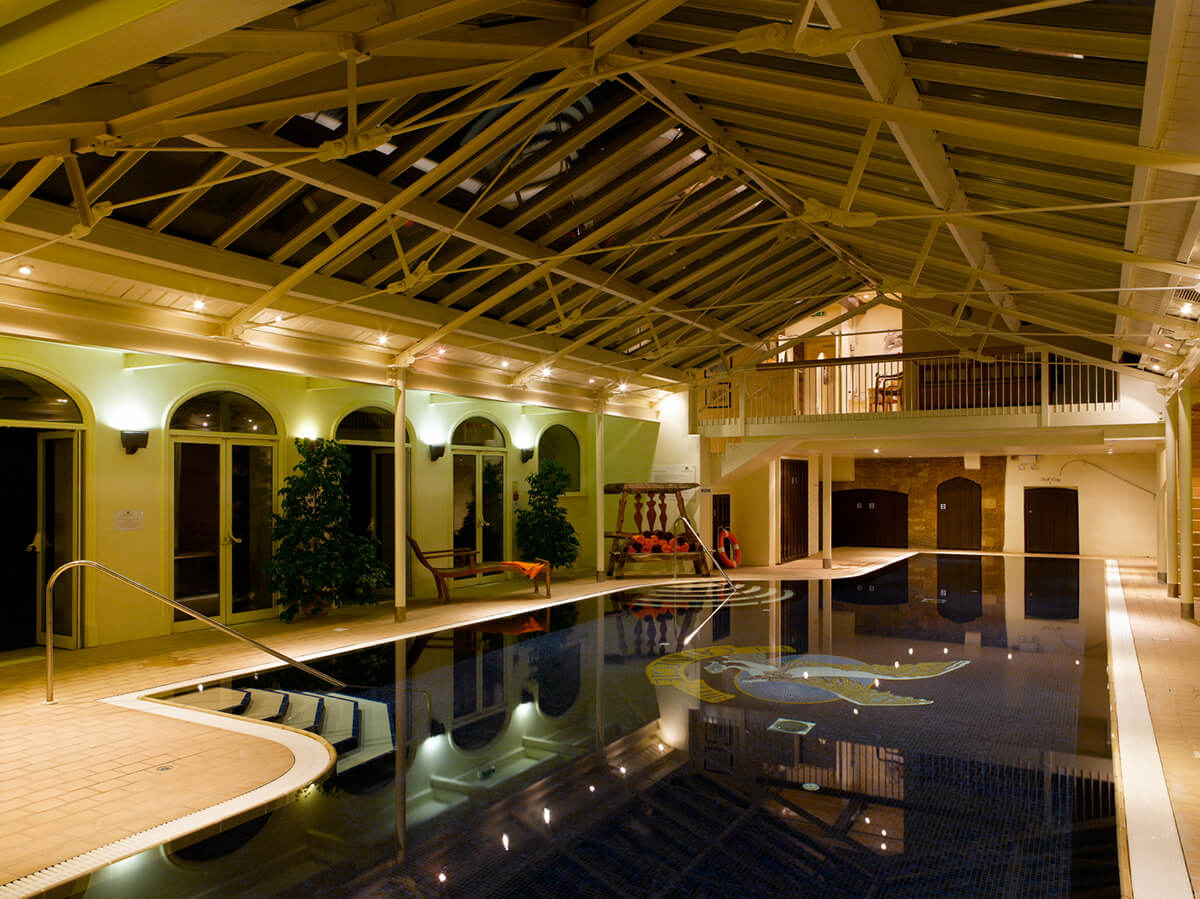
(319,562)
(543,531)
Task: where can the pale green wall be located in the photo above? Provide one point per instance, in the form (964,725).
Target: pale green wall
(114,398)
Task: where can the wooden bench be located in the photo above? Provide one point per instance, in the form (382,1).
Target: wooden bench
(470,566)
(650,515)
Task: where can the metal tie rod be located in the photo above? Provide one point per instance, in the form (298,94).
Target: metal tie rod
(87,563)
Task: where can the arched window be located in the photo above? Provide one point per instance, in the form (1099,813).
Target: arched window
(26,397)
(370,424)
(560,444)
(223,411)
(477,431)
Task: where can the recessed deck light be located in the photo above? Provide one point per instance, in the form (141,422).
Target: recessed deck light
(875,451)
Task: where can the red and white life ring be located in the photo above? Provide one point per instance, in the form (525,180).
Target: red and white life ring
(732,557)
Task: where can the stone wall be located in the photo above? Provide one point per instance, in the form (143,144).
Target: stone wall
(919,478)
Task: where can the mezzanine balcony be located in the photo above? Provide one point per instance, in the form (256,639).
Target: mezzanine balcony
(953,392)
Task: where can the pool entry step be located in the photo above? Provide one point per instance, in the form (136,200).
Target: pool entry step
(359,729)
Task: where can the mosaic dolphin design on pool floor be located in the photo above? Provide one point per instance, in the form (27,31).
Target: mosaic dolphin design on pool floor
(792,678)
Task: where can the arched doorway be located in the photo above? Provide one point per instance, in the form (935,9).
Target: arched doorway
(959,514)
(224,451)
(41,437)
(479,450)
(1051,520)
(368,435)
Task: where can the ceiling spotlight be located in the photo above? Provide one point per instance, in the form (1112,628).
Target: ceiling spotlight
(1157,367)
(1168,346)
(620,388)
(876,451)
(278,319)
(504,363)
(441,351)
(382,340)
(546,371)
(198,305)
(25,270)
(591,380)
(1186,309)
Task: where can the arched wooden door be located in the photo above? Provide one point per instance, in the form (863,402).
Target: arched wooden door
(1051,520)
(870,518)
(960,514)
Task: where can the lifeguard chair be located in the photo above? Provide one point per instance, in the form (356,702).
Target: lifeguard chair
(649,514)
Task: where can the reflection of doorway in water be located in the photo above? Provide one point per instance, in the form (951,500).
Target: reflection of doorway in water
(960,588)
(1051,588)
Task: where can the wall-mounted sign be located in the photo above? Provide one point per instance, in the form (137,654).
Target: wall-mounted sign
(127,520)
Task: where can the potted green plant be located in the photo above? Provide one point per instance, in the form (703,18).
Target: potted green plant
(319,562)
(543,531)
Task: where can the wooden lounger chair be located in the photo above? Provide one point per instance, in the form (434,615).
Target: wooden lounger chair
(466,562)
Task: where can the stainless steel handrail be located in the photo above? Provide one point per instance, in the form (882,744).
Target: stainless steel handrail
(87,563)
(716,564)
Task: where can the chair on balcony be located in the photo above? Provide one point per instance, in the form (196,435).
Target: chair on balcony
(886,395)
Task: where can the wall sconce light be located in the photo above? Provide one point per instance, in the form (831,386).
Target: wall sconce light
(134,441)
(436,451)
(526,454)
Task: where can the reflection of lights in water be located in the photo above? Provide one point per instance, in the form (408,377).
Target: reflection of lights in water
(945,650)
(442,876)
(883,833)
(867,820)
(504,841)
(883,845)
(897,663)
(622,769)
(855,711)
(591,788)
(661,747)
(1010,655)
(546,815)
(910,650)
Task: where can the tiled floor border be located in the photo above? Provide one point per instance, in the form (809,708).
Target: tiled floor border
(314,758)
(1156,863)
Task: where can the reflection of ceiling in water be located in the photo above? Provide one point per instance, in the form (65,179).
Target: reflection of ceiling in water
(791,678)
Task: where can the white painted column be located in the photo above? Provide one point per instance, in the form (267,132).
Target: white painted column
(1172,450)
(1160,496)
(826,509)
(1184,425)
(598,488)
(400,473)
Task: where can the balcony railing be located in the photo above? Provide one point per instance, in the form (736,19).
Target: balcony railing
(914,385)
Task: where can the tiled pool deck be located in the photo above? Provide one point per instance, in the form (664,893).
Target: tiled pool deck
(82,773)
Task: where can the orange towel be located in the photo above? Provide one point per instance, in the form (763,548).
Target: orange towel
(530,569)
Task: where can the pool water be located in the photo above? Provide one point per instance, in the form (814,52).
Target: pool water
(938,727)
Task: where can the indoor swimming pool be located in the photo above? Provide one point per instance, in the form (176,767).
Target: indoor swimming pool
(938,727)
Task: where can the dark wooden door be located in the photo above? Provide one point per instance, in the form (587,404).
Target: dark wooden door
(722,517)
(960,514)
(1051,520)
(870,518)
(793,509)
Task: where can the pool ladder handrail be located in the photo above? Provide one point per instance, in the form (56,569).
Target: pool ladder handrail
(87,563)
(716,564)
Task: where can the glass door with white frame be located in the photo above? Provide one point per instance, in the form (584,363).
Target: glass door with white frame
(479,504)
(57,539)
(224,496)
